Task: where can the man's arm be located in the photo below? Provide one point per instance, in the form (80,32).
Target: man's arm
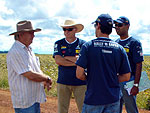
(124,77)
(38,77)
(138,73)
(80,74)
(135,89)
(62,61)
(71,58)
(34,76)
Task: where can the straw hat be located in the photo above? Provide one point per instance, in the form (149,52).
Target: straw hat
(71,23)
(24,26)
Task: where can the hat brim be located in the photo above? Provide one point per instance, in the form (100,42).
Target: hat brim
(118,21)
(78,26)
(93,22)
(25,30)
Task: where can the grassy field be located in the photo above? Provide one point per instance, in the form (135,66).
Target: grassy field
(49,67)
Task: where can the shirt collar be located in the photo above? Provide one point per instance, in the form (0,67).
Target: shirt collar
(71,42)
(22,45)
(103,38)
(124,39)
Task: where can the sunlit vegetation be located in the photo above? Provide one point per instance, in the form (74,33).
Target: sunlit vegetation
(49,67)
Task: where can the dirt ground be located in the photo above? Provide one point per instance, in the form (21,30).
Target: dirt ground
(49,107)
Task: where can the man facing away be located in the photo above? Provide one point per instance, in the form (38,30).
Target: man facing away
(66,52)
(134,51)
(24,74)
(107,65)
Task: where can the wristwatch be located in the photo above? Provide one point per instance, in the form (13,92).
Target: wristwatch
(48,79)
(136,85)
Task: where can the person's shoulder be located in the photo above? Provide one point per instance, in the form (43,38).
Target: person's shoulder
(88,43)
(14,51)
(91,41)
(81,40)
(115,44)
(134,40)
(117,40)
(14,48)
(60,41)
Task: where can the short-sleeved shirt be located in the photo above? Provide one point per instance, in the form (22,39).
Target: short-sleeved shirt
(104,59)
(133,49)
(67,74)
(24,92)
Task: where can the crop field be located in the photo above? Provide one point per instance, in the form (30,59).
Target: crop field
(49,67)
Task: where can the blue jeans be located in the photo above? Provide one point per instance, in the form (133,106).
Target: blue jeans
(129,100)
(35,108)
(109,108)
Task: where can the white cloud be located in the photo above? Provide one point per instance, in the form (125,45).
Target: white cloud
(145,42)
(4,9)
(48,14)
(6,42)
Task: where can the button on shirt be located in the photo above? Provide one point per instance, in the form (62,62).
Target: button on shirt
(24,92)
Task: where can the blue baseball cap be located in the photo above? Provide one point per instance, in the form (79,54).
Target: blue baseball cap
(105,20)
(122,19)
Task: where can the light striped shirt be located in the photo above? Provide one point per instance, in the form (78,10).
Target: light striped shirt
(24,92)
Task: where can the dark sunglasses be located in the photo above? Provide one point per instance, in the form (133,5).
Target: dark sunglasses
(119,25)
(68,29)
(95,25)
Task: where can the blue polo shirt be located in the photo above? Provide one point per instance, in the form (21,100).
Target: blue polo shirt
(133,49)
(67,74)
(104,59)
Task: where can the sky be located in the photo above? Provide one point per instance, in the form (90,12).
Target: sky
(50,14)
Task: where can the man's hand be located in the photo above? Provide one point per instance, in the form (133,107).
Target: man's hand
(134,91)
(80,73)
(48,83)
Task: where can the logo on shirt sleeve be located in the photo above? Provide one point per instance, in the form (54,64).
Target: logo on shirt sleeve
(127,50)
(55,48)
(139,50)
(77,49)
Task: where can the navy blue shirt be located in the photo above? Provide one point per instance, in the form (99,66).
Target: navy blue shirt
(133,49)
(67,74)
(104,59)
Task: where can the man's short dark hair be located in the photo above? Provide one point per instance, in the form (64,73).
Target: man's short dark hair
(106,23)
(105,29)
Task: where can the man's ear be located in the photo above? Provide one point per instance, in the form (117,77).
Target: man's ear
(20,35)
(98,25)
(75,29)
(128,26)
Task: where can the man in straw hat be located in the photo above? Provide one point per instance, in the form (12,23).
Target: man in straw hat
(107,65)
(24,74)
(66,52)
